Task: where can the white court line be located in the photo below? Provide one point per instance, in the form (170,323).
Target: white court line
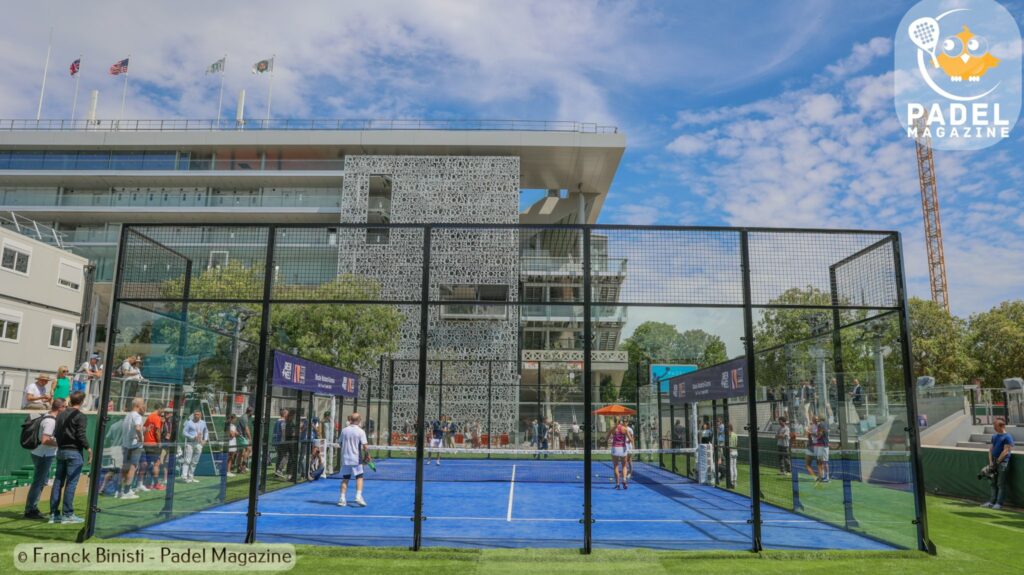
(511,490)
(509,518)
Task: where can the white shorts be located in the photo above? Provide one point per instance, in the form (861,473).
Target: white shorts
(810,451)
(435,442)
(619,452)
(821,453)
(348,471)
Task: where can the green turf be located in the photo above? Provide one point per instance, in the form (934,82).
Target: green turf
(970,540)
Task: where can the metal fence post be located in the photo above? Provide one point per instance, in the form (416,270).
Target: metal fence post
(179,395)
(101,420)
(840,376)
(920,507)
(421,392)
(263,383)
(748,345)
(588,400)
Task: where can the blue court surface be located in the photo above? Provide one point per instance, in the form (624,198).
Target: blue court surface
(512,504)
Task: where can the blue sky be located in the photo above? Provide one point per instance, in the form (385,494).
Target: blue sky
(737,113)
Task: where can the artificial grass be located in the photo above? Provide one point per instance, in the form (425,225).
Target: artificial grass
(969,539)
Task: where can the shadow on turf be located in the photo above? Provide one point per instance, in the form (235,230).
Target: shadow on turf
(14,523)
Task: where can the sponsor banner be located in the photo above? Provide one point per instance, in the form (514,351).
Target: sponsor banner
(662,372)
(312,377)
(722,381)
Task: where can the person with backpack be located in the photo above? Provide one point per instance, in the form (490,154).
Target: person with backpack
(72,439)
(37,435)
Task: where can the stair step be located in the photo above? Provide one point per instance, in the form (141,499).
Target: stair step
(979,438)
(972,445)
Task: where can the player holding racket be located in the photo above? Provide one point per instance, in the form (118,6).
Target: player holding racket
(354,452)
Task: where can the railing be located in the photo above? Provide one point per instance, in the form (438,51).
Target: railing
(31,228)
(170,199)
(300,125)
(570,266)
(563,312)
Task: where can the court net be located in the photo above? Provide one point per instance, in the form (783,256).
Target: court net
(524,465)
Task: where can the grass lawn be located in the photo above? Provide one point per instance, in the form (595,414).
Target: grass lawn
(970,540)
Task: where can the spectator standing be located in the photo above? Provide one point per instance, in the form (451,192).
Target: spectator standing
(37,396)
(733,441)
(678,434)
(152,429)
(245,440)
(42,458)
(857,398)
(574,429)
(782,441)
(167,444)
(556,435)
(196,435)
(278,440)
(541,433)
(62,384)
(131,451)
(770,396)
(231,428)
(811,434)
(72,440)
(90,371)
(999,456)
(821,449)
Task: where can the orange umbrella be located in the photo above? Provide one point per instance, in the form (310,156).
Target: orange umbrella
(614,410)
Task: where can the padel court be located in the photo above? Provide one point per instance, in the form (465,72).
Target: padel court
(512,503)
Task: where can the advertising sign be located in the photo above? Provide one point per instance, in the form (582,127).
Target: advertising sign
(309,376)
(722,381)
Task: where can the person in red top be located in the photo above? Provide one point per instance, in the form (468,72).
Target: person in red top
(152,429)
(618,437)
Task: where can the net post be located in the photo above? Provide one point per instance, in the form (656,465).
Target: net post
(716,449)
(838,370)
(588,400)
(726,448)
(490,379)
(924,543)
(421,392)
(262,386)
(748,344)
(168,509)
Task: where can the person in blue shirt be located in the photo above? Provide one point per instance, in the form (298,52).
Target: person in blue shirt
(999,455)
(542,438)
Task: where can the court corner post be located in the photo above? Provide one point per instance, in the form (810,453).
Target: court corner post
(421,392)
(924,543)
(841,414)
(262,384)
(748,346)
(588,400)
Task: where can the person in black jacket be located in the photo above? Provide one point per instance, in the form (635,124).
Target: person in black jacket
(70,432)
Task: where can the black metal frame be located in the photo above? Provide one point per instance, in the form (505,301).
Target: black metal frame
(424,303)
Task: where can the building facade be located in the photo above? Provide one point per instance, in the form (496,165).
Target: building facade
(86,182)
(42,287)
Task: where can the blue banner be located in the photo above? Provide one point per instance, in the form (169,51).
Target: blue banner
(312,377)
(662,372)
(721,381)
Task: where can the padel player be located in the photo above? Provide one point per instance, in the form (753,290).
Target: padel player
(436,440)
(353,452)
(617,438)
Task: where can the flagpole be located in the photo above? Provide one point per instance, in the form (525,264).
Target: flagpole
(74,103)
(124,92)
(220,99)
(46,66)
(270,89)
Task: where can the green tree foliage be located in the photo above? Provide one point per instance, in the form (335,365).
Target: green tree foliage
(351,337)
(938,343)
(996,342)
(654,342)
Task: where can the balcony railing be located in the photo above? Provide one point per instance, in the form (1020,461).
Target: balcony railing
(31,228)
(603,313)
(169,199)
(304,125)
(570,266)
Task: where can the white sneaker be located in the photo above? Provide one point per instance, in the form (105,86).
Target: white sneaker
(987,504)
(360,502)
(438,462)
(997,506)
(129,495)
(428,462)
(342,503)
(142,488)
(229,474)
(117,494)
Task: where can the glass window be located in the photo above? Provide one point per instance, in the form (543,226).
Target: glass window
(534,340)
(90,160)
(60,336)
(159,161)
(10,326)
(15,259)
(26,160)
(5,160)
(58,160)
(473,292)
(126,160)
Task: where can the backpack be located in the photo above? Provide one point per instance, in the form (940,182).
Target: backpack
(30,431)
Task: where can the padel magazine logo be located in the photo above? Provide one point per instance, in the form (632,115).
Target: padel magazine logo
(958,73)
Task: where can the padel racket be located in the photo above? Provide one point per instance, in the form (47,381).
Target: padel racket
(924,33)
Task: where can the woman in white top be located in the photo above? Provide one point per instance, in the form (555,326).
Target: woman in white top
(232,430)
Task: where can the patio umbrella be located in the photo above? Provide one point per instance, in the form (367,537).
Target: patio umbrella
(614,409)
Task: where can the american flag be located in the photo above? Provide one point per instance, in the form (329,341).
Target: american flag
(120,67)
(75,65)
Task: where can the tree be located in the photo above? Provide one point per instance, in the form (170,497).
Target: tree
(996,342)
(938,343)
(654,341)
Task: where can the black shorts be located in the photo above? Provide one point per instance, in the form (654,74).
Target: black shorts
(152,452)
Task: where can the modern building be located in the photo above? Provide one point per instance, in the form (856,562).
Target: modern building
(86,181)
(42,289)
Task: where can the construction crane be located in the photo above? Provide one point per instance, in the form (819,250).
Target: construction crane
(932,222)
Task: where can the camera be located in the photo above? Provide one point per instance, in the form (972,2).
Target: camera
(987,472)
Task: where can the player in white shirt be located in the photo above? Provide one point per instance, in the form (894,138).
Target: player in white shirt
(353,450)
